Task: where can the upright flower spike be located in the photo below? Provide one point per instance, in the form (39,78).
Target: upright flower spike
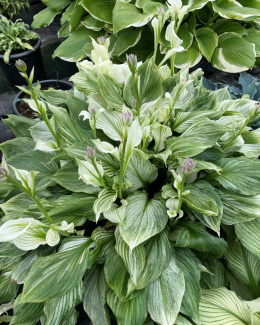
(188,165)
(21,65)
(101,40)
(127,118)
(132,62)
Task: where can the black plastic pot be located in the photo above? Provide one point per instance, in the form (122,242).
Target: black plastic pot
(31,58)
(59,84)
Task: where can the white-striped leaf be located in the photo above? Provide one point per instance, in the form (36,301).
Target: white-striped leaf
(165,295)
(89,174)
(160,134)
(26,313)
(21,270)
(8,287)
(116,214)
(111,123)
(144,219)
(57,274)
(221,307)
(111,91)
(104,201)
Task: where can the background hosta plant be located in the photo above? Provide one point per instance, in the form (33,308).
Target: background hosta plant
(226,33)
(136,194)
(11,9)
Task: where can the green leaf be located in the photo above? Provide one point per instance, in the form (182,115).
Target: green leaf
(26,313)
(165,295)
(133,311)
(101,10)
(92,23)
(13,147)
(216,275)
(160,134)
(124,40)
(221,306)
(223,26)
(111,91)
(72,48)
(89,174)
(20,125)
(239,208)
(207,40)
(248,234)
(22,268)
(127,14)
(86,81)
(240,175)
(112,124)
(244,266)
(75,16)
(184,147)
(58,309)
(144,219)
(57,5)
(94,300)
(233,54)
(140,172)
(150,84)
(188,264)
(194,235)
(104,201)
(57,274)
(188,58)
(44,18)
(67,176)
(252,36)
(8,288)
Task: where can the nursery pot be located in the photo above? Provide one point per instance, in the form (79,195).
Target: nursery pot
(59,84)
(32,58)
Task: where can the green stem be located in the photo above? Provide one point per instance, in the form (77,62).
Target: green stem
(122,162)
(95,130)
(172,64)
(138,103)
(34,198)
(180,196)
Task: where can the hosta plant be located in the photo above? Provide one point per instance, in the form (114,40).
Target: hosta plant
(138,195)
(11,9)
(15,37)
(226,33)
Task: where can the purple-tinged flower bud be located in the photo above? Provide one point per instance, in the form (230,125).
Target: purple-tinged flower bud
(3,174)
(21,65)
(101,40)
(132,62)
(93,111)
(134,104)
(188,165)
(90,153)
(160,11)
(127,118)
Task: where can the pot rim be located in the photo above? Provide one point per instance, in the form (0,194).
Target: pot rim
(18,96)
(25,53)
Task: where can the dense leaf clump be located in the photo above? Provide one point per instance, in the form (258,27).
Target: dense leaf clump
(138,193)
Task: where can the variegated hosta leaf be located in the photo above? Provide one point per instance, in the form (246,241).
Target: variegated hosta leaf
(133,311)
(215,276)
(116,214)
(144,218)
(220,307)
(89,174)
(165,295)
(26,178)
(22,268)
(57,274)
(244,266)
(95,296)
(140,172)
(111,123)
(8,287)
(104,238)
(160,134)
(207,40)
(171,36)
(240,175)
(105,199)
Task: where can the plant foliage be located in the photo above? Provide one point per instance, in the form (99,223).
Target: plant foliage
(14,37)
(11,9)
(138,194)
(226,33)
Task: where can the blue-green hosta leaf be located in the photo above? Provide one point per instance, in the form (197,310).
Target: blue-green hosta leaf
(240,175)
(89,174)
(188,264)
(194,235)
(140,172)
(44,18)
(231,9)
(101,10)
(207,40)
(26,313)
(165,295)
(104,201)
(94,300)
(150,84)
(244,266)
(133,311)
(206,131)
(239,208)
(127,14)
(134,260)
(58,309)
(248,234)
(111,91)
(221,306)
(72,49)
(144,218)
(112,124)
(233,53)
(188,58)
(57,274)
(67,176)
(160,134)
(8,287)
